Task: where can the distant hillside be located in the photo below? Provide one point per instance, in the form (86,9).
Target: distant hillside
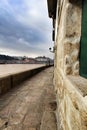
(6,57)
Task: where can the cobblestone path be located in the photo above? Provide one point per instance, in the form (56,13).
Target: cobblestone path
(31,105)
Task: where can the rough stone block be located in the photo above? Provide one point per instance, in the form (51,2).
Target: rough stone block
(5,84)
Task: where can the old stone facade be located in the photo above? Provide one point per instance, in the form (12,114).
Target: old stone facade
(70,87)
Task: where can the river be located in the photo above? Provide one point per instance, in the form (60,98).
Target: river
(6,69)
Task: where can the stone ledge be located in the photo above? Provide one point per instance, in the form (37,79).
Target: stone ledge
(72,105)
(80,83)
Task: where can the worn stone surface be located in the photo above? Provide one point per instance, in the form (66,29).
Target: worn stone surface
(22,108)
(72,102)
(71,91)
(67,36)
(80,84)
(48,118)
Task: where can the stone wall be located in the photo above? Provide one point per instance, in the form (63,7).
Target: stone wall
(67,37)
(5,84)
(72,106)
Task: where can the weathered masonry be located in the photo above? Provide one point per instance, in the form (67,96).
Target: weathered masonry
(69,19)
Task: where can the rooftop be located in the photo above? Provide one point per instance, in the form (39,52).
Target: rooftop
(52,4)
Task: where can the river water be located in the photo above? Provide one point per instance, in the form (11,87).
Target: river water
(6,69)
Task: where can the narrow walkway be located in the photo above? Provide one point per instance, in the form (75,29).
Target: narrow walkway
(30,106)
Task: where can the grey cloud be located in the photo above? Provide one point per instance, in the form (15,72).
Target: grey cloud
(22,31)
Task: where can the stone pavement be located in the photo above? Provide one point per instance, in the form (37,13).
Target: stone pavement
(31,105)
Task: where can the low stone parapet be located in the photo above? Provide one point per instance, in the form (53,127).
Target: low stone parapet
(5,84)
(9,81)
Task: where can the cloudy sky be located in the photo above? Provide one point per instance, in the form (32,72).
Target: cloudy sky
(25,29)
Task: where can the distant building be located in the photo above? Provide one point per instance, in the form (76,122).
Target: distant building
(30,61)
(43,60)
